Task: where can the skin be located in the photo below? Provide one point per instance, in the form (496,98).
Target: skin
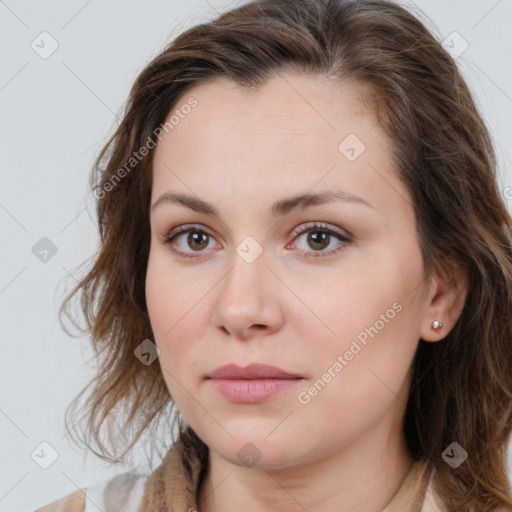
(242,151)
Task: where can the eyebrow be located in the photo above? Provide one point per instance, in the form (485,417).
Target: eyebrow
(279,208)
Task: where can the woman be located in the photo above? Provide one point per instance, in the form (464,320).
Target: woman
(304,251)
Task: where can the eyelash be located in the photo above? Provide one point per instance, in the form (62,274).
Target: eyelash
(304,228)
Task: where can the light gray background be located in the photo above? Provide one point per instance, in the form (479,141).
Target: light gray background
(56,114)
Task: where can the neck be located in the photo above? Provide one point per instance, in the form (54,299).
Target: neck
(361,477)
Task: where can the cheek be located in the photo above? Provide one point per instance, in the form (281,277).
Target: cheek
(168,297)
(348,301)
(160,302)
(177,317)
(361,372)
(174,336)
(369,317)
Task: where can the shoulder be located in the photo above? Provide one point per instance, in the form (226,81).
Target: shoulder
(73,502)
(120,493)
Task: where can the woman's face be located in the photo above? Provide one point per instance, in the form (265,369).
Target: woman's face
(340,306)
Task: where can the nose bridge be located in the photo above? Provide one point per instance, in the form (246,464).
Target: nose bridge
(244,298)
(245,279)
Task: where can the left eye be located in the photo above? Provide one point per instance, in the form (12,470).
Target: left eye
(318,237)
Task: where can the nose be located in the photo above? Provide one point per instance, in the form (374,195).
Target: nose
(248,301)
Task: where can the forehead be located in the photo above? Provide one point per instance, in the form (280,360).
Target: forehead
(292,133)
(285,102)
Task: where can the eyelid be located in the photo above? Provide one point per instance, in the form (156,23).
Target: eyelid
(184,227)
(321,226)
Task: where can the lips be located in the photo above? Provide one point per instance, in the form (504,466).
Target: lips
(252,384)
(251,372)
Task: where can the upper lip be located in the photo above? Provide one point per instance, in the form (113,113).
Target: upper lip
(253,371)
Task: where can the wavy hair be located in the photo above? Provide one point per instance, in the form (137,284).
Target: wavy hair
(461,387)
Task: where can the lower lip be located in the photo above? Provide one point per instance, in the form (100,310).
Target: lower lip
(248,391)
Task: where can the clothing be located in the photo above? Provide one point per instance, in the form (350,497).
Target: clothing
(173,485)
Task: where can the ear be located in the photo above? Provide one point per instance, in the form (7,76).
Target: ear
(445,300)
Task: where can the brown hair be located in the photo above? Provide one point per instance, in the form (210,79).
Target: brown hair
(461,386)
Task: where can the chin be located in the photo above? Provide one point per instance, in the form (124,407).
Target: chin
(259,450)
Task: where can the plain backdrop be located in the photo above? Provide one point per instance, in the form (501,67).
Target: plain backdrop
(56,112)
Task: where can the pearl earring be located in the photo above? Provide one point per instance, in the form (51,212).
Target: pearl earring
(436,324)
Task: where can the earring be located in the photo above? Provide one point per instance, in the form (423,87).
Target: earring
(436,324)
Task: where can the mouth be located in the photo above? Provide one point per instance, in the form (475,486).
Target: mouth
(251,384)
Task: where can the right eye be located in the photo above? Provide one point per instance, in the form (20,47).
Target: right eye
(197,239)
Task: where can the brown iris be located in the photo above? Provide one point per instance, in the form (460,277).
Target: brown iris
(316,239)
(194,236)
